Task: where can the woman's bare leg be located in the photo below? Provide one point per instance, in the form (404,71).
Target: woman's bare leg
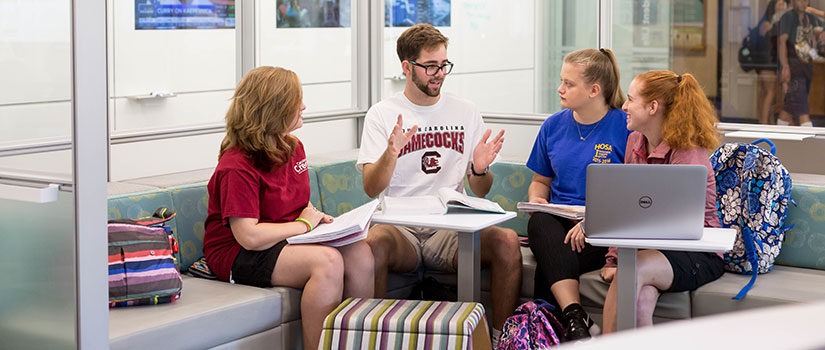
(319,270)
(359,270)
(652,270)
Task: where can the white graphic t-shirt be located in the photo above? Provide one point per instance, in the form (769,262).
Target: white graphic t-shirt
(437,156)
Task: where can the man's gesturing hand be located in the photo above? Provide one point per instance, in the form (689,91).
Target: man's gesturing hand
(485,152)
(399,139)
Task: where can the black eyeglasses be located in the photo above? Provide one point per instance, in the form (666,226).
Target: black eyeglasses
(432,69)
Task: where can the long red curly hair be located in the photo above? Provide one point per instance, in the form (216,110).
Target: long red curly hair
(689,118)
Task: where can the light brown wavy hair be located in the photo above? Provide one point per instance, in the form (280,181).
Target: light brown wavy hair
(689,118)
(600,67)
(263,107)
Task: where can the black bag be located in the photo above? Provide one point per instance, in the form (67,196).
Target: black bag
(430,289)
(755,52)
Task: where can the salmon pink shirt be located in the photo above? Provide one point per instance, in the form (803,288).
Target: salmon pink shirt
(637,153)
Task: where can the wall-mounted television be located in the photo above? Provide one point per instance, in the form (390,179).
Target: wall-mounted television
(405,13)
(184,14)
(313,13)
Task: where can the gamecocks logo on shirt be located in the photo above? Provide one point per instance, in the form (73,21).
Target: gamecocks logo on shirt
(430,162)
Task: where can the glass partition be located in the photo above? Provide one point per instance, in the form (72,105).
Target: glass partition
(564,26)
(37,261)
(37,256)
(35,93)
(732,48)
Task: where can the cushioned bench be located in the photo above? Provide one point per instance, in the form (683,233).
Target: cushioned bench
(234,316)
(215,313)
(221,314)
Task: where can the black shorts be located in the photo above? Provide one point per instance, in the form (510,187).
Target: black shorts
(796,99)
(254,267)
(692,270)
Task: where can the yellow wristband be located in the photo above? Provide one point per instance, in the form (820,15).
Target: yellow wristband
(305,221)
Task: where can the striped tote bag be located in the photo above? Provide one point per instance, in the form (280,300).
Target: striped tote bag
(142,268)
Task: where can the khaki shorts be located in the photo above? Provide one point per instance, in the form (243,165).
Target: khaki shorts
(436,249)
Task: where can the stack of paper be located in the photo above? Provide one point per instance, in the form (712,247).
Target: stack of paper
(575,212)
(348,228)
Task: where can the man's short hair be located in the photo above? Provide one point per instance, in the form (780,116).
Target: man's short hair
(417,37)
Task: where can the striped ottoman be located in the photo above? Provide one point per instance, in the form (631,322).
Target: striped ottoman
(405,324)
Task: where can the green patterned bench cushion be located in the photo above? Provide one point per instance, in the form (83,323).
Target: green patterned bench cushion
(394,324)
(341,187)
(510,183)
(315,193)
(804,244)
(191,202)
(138,205)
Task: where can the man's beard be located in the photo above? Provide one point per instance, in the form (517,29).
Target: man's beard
(423,86)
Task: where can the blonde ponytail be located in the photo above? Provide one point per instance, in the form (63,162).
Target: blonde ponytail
(600,67)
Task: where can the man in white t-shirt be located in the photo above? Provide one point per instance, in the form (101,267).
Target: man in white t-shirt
(418,141)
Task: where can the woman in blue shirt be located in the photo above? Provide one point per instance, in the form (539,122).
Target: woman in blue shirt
(591,129)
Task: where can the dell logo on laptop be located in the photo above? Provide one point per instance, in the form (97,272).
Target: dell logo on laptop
(645,202)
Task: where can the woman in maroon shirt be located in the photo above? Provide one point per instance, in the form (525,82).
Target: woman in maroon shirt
(673,123)
(259,197)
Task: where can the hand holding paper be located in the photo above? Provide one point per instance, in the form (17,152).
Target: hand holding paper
(347,228)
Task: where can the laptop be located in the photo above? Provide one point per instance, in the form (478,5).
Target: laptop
(644,201)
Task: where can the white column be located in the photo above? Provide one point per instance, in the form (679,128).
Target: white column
(91,153)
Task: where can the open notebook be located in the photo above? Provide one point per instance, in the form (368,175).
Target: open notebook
(446,201)
(347,228)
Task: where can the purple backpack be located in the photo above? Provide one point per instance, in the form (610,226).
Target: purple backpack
(532,326)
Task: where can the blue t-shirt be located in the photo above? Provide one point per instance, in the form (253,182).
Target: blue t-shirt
(559,152)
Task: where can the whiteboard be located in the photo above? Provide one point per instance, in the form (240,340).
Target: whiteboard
(182,60)
(316,54)
(484,36)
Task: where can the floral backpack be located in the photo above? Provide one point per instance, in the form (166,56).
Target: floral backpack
(753,191)
(532,326)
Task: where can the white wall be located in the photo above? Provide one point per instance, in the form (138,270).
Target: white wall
(129,160)
(518,140)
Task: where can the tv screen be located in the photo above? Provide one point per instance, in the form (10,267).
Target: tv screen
(313,13)
(405,13)
(184,14)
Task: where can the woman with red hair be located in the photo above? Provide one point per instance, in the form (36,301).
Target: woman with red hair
(672,123)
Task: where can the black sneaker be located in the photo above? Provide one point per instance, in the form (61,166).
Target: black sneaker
(576,323)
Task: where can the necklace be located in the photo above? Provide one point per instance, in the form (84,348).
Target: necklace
(578,128)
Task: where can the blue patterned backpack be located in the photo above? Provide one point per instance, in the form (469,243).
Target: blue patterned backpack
(753,191)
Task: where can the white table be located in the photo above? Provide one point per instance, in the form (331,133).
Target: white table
(469,226)
(713,240)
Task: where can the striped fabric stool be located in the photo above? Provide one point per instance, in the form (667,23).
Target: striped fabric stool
(405,324)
